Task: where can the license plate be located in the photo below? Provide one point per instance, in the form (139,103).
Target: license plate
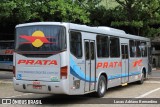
(37,86)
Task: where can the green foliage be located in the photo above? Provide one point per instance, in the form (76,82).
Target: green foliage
(97,16)
(134,16)
(142,16)
(20,11)
(151,32)
(137,24)
(15,11)
(67,11)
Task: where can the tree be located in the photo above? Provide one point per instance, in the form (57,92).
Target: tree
(15,11)
(60,10)
(97,11)
(140,16)
(12,13)
(21,11)
(43,10)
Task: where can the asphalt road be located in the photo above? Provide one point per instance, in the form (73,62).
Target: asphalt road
(150,89)
(6,75)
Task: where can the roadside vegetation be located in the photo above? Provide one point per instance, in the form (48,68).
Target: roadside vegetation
(139,17)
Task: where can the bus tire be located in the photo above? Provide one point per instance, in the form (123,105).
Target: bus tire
(142,78)
(102,86)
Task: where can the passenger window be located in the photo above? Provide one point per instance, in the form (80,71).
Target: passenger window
(126,51)
(114,47)
(87,50)
(76,44)
(132,48)
(92,50)
(138,52)
(143,49)
(123,51)
(102,46)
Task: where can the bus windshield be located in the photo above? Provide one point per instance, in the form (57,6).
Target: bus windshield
(40,38)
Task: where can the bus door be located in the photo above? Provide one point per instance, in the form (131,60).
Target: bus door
(90,71)
(125,63)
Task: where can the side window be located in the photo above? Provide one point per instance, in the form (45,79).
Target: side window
(87,50)
(144,49)
(114,47)
(138,51)
(92,50)
(102,46)
(123,51)
(76,44)
(132,48)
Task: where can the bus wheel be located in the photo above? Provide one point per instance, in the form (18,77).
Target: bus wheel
(142,78)
(101,87)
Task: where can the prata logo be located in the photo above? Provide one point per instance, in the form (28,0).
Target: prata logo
(37,39)
(37,62)
(137,63)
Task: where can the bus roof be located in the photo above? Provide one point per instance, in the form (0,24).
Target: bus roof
(98,30)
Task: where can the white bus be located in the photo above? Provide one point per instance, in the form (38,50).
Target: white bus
(6,54)
(72,59)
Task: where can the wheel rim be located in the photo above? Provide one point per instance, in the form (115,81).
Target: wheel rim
(102,86)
